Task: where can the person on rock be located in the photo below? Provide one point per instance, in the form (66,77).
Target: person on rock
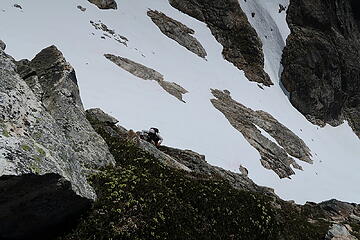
(152,136)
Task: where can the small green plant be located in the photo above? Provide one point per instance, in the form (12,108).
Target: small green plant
(26,148)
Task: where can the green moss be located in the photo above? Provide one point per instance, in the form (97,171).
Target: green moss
(35,168)
(41,151)
(26,148)
(5,133)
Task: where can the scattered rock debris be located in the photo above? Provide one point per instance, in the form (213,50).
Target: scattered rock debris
(109,32)
(81,8)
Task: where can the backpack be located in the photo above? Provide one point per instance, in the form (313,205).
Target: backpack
(155,130)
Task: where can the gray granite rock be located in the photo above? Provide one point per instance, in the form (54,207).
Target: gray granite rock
(339,232)
(46,144)
(178,32)
(274,155)
(146,73)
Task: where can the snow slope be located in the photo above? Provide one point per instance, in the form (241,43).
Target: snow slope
(195,125)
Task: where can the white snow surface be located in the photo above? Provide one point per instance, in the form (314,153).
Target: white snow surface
(195,125)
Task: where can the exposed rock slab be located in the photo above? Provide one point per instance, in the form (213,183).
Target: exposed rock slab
(274,156)
(339,232)
(197,163)
(321,70)
(99,121)
(231,28)
(45,140)
(178,32)
(146,73)
(105,4)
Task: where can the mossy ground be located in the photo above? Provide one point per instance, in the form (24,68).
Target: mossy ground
(142,199)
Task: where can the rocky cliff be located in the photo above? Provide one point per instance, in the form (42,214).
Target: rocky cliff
(47,146)
(56,159)
(231,28)
(321,70)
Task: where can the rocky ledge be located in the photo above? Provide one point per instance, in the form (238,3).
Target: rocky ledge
(321,70)
(231,28)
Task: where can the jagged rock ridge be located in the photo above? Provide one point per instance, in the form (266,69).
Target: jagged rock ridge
(247,121)
(231,28)
(146,73)
(178,32)
(45,141)
(321,70)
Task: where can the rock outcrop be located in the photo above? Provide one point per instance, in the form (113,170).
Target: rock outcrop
(110,33)
(105,4)
(321,70)
(2,45)
(231,28)
(46,145)
(247,121)
(178,32)
(197,163)
(102,122)
(339,232)
(146,73)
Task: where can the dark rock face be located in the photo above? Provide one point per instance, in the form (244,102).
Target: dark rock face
(230,26)
(28,209)
(104,4)
(178,32)
(321,70)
